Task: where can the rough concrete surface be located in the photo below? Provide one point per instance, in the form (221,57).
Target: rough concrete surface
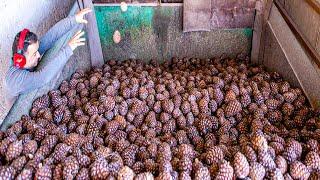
(37,15)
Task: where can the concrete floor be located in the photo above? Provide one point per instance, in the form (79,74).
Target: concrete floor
(36,15)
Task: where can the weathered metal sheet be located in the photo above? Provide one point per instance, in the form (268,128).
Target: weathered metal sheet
(223,14)
(197,15)
(127,1)
(156,33)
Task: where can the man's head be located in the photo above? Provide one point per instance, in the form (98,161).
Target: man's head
(29,49)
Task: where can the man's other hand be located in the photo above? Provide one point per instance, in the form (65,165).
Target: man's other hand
(80,15)
(77,40)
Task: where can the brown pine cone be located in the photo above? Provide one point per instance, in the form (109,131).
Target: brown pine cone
(232,108)
(83,174)
(99,169)
(44,172)
(214,155)
(281,164)
(225,171)
(278,147)
(299,170)
(259,142)
(71,168)
(14,150)
(292,151)
(272,104)
(202,174)
(312,161)
(241,165)
(41,102)
(144,176)
(25,174)
(19,163)
(125,173)
(257,171)
(275,174)
(266,160)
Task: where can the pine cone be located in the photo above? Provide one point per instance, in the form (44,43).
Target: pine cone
(266,160)
(312,161)
(257,171)
(185,164)
(7,172)
(44,172)
(14,150)
(83,174)
(241,165)
(125,173)
(41,102)
(60,152)
(292,151)
(232,108)
(99,169)
(144,176)
(50,141)
(25,174)
(19,163)
(275,174)
(71,168)
(214,155)
(30,147)
(225,171)
(281,164)
(57,172)
(299,170)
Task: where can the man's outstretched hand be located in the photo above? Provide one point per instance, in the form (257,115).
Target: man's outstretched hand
(77,40)
(80,15)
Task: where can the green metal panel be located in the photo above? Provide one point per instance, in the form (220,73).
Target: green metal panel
(155,32)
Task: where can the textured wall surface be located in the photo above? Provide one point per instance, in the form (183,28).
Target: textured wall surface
(38,16)
(156,33)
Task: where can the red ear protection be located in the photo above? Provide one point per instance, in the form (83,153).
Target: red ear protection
(19,60)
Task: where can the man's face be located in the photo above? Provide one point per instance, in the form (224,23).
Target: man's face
(32,55)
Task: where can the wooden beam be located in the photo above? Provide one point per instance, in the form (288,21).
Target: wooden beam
(263,8)
(93,37)
(315,4)
(299,35)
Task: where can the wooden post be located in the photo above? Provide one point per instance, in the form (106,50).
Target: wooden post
(263,8)
(93,37)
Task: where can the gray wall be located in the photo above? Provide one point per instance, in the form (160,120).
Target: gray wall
(37,15)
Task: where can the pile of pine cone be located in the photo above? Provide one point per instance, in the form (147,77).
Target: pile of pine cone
(182,119)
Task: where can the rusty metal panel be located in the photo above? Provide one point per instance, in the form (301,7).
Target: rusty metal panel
(196,15)
(172,1)
(127,1)
(224,14)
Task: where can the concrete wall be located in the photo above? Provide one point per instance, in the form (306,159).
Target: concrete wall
(37,15)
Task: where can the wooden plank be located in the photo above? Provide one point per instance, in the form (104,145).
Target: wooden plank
(306,18)
(263,8)
(315,4)
(298,59)
(93,37)
(299,34)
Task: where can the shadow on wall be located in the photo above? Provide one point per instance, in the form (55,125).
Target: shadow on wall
(36,15)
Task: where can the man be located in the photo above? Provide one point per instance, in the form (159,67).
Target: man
(27,50)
